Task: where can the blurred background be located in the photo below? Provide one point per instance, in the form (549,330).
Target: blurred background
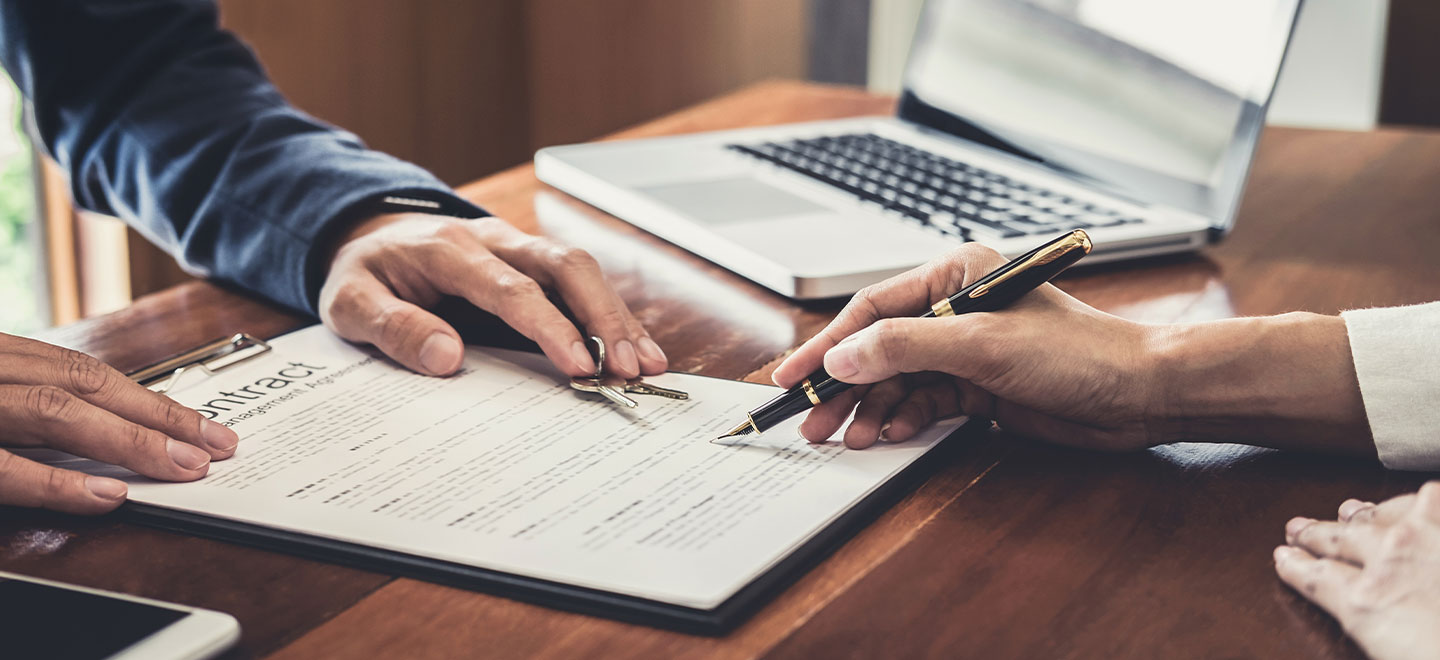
(470,87)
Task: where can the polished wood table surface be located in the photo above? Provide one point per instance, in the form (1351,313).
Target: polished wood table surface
(1011,549)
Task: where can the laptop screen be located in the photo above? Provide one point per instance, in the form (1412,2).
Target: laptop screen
(1160,101)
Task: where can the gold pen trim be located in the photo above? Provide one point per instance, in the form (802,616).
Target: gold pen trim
(1077,239)
(744,428)
(810,392)
(942,308)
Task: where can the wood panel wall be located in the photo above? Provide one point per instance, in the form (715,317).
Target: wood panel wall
(468,87)
(601,65)
(437,82)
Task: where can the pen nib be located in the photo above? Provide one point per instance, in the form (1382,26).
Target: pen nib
(743,429)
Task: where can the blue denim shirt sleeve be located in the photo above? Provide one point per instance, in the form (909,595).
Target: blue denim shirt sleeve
(167,121)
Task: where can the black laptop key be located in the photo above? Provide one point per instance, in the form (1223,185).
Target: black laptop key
(904,201)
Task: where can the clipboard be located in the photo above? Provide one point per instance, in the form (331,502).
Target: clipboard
(220,354)
(208,358)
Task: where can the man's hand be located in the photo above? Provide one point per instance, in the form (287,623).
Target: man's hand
(61,399)
(387,270)
(1049,366)
(1376,570)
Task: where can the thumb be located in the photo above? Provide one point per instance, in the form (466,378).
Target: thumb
(906,345)
(402,330)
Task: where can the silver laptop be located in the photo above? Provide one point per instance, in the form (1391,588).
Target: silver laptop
(1020,119)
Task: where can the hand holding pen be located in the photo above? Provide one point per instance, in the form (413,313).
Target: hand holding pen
(1047,365)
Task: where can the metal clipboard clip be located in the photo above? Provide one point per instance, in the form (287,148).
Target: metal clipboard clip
(209,358)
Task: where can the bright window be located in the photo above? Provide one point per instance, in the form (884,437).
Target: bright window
(21,292)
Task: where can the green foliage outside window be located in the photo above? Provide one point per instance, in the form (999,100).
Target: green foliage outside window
(19,309)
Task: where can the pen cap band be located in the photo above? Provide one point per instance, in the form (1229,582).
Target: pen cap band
(825,386)
(810,392)
(813,391)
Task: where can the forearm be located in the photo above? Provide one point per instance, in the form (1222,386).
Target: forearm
(1279,381)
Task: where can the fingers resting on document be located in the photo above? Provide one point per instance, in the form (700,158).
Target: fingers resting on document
(388,270)
(61,399)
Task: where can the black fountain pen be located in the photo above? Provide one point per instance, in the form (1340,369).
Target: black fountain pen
(1005,285)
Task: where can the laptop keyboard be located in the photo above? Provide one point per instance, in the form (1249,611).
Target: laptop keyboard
(949,196)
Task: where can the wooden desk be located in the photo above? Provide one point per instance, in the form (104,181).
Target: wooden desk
(1010,550)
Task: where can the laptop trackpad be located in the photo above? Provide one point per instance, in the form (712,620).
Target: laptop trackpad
(730,200)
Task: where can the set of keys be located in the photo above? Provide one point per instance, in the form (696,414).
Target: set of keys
(616,388)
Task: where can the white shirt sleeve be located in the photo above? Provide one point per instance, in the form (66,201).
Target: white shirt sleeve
(1397,360)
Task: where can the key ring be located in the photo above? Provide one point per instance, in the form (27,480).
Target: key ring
(597,353)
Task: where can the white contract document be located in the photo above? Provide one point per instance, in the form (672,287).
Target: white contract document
(505,467)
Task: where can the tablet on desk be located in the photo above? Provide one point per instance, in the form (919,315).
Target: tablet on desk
(44,619)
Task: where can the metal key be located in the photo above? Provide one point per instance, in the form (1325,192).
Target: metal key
(610,388)
(603,387)
(638,386)
(615,389)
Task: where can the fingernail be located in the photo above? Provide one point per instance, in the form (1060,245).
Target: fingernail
(841,361)
(583,361)
(105,489)
(1281,552)
(780,369)
(186,456)
(651,350)
(218,436)
(1351,507)
(440,353)
(883,429)
(1294,526)
(625,357)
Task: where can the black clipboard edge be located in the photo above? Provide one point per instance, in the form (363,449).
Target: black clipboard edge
(582,600)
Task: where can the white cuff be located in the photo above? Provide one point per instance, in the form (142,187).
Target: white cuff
(1397,360)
